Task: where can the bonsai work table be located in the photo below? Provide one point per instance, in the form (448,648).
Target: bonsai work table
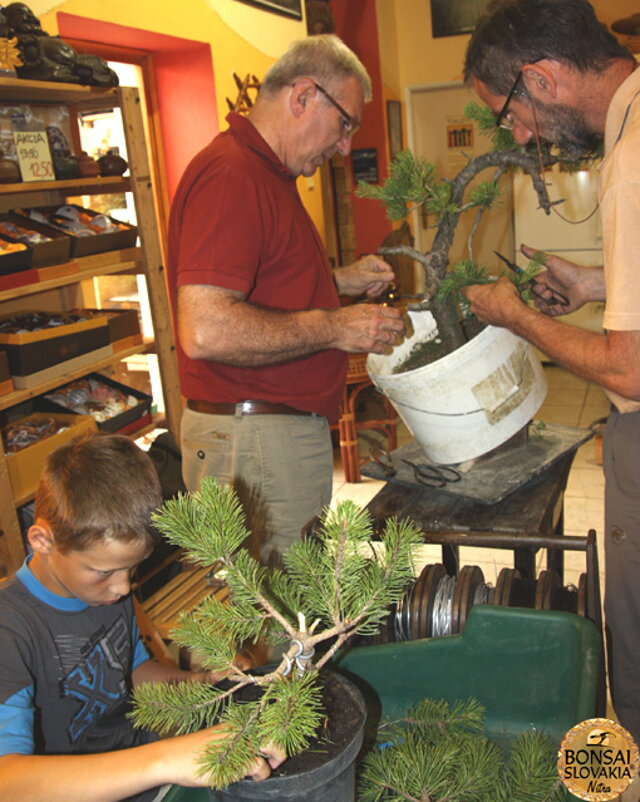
(536,508)
(525,521)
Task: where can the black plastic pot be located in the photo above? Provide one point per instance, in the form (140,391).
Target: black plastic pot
(332,779)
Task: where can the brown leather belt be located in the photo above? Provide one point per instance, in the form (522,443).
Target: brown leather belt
(243,408)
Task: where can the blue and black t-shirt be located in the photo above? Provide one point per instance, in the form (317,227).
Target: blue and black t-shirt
(65,672)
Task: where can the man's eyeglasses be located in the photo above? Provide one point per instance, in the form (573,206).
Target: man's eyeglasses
(504,118)
(349,124)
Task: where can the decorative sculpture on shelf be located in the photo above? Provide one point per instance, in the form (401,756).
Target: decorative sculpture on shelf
(630,26)
(243,101)
(95,71)
(49,58)
(9,53)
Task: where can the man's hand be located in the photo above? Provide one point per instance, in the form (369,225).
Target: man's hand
(366,328)
(496,303)
(370,275)
(579,284)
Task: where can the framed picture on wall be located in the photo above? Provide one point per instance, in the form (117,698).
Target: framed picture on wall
(394,124)
(290,8)
(453,17)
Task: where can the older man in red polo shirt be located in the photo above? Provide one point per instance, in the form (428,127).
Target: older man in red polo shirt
(263,340)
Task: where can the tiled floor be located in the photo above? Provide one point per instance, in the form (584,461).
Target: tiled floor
(571,401)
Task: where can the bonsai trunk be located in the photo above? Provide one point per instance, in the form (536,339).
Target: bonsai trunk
(436,261)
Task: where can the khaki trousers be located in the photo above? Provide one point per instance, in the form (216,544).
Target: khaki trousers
(281,467)
(621,462)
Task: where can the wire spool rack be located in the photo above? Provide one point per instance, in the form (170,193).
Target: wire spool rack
(438,603)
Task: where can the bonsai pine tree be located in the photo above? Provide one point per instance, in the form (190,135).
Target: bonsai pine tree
(413,183)
(333,585)
(439,753)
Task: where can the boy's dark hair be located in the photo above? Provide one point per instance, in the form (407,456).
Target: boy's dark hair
(516,32)
(98,487)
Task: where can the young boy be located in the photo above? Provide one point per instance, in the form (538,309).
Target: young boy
(70,649)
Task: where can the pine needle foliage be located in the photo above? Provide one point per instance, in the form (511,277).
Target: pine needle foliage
(466,272)
(461,275)
(411,183)
(441,753)
(333,585)
(483,195)
(531,773)
(501,139)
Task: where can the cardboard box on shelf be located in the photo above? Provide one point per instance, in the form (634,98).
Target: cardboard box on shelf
(63,370)
(6,382)
(14,257)
(31,352)
(24,466)
(54,250)
(124,327)
(96,385)
(124,235)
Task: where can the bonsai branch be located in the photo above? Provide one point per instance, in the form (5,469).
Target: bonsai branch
(413,183)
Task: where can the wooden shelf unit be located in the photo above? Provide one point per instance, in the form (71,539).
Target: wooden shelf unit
(146,259)
(87,267)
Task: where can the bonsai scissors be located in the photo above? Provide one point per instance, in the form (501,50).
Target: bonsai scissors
(556,297)
(433,475)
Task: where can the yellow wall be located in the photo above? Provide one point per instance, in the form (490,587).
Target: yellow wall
(243,39)
(410,56)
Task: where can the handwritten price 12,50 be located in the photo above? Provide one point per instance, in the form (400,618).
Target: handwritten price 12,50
(41,170)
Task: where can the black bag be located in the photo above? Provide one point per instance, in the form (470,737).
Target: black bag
(167,458)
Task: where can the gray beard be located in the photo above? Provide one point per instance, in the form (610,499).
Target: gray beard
(566,127)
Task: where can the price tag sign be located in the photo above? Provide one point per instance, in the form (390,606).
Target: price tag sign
(34,155)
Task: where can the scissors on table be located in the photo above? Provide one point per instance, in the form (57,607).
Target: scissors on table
(382,457)
(433,475)
(556,297)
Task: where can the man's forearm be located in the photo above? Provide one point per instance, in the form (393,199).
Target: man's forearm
(217,325)
(610,360)
(249,335)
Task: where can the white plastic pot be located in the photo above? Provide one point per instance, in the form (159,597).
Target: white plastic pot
(470,401)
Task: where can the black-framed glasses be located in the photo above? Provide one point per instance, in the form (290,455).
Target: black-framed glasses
(503,120)
(349,123)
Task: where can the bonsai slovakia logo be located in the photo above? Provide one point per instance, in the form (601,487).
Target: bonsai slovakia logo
(598,759)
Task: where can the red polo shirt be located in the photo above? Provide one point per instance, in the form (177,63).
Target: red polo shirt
(237,222)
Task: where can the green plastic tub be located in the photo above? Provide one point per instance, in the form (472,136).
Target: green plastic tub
(529,668)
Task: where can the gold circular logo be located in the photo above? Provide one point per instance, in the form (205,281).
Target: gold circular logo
(598,760)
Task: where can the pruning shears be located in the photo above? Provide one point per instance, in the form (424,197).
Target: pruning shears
(557,298)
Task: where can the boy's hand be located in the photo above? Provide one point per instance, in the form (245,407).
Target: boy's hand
(184,752)
(212,677)
(272,758)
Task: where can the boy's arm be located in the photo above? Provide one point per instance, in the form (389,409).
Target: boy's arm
(113,776)
(152,671)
